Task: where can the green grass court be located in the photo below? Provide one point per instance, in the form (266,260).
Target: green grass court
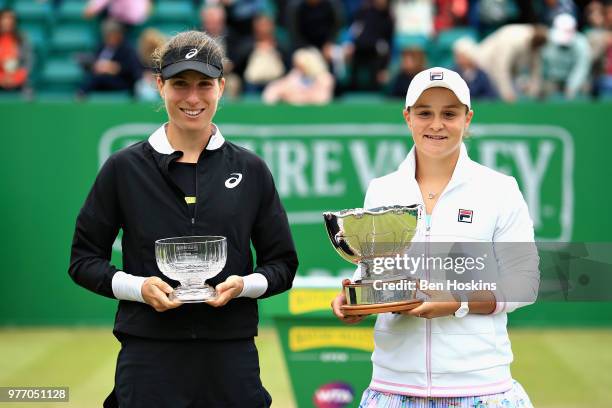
(560,368)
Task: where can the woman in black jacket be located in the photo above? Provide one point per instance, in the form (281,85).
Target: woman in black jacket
(185,180)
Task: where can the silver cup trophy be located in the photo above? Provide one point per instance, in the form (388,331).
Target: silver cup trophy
(191,260)
(360,236)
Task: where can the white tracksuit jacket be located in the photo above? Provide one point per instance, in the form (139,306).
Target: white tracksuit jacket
(450,356)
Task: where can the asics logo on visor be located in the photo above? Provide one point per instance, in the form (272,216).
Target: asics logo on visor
(192,53)
(234,180)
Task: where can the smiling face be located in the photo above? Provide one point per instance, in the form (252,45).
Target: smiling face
(438,121)
(191,100)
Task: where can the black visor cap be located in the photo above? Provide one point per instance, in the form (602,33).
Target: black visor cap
(190,59)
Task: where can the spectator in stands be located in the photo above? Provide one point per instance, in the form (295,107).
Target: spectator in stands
(413,61)
(510,56)
(604,80)
(351,7)
(465,51)
(308,82)
(600,39)
(413,17)
(213,21)
(145,88)
(527,12)
(15,54)
(488,15)
(116,66)
(552,8)
(127,12)
(594,14)
(240,14)
(266,59)
(371,33)
(566,60)
(450,13)
(314,23)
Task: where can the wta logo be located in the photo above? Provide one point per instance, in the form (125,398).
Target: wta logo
(333,395)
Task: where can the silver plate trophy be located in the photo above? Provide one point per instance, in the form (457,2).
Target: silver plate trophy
(191,260)
(361,236)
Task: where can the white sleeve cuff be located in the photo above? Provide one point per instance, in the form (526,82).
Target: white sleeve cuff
(255,285)
(128,287)
(500,302)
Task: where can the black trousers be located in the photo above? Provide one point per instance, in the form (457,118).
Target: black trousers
(187,373)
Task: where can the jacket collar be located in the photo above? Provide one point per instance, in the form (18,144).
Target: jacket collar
(461,174)
(159,140)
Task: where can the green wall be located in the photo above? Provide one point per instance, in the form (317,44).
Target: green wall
(322,159)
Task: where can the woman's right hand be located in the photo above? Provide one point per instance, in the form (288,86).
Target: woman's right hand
(155,293)
(338,301)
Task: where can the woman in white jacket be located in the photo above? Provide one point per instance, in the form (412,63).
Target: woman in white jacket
(453,349)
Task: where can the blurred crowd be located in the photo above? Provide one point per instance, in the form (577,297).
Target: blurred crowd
(312,51)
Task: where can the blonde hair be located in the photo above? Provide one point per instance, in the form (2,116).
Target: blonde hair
(466,46)
(148,42)
(310,61)
(189,39)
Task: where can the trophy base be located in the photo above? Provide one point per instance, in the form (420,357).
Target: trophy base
(359,310)
(198,294)
(381,296)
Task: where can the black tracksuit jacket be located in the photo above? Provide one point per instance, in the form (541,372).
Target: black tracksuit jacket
(134,192)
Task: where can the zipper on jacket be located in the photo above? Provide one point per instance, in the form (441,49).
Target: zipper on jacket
(180,194)
(195,205)
(428,321)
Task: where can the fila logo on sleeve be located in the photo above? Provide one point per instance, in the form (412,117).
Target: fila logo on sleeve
(465,216)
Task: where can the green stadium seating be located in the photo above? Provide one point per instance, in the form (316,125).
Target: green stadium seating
(33,11)
(448,37)
(402,41)
(362,97)
(57,95)
(174,11)
(109,97)
(36,33)
(71,10)
(73,37)
(63,74)
(11,96)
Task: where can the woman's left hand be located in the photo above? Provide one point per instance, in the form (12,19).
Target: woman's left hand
(440,303)
(227,290)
